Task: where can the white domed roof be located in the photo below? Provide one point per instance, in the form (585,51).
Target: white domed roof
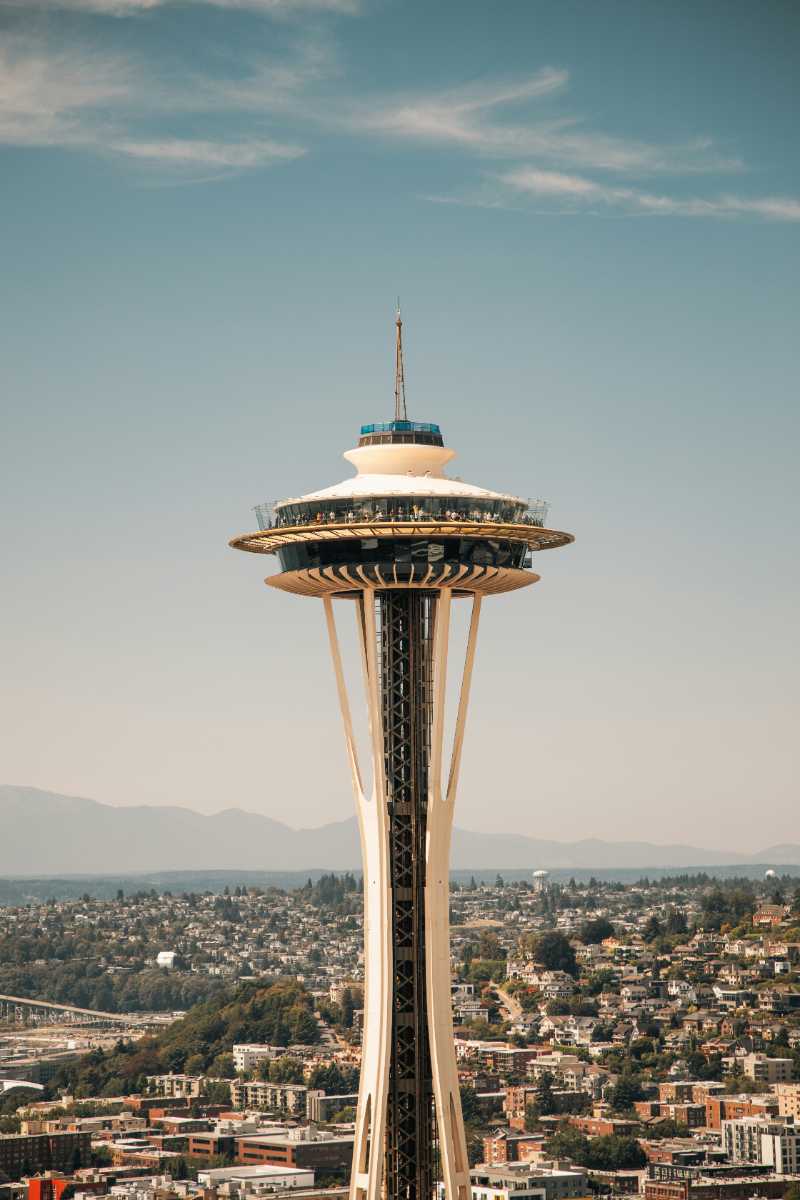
(362,486)
(401,470)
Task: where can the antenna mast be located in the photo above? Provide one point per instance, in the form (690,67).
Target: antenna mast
(400,413)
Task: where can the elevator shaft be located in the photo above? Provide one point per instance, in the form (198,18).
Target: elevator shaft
(405,623)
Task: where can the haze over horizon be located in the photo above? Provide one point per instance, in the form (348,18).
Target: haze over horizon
(593,225)
(43,834)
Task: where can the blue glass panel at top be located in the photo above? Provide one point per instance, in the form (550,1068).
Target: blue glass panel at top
(400,427)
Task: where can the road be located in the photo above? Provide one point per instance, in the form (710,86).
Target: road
(512,1006)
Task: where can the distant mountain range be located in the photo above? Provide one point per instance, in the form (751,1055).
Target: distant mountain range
(43,833)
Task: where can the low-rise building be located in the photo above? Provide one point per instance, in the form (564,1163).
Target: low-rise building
(307,1148)
(172,1086)
(254,1181)
(247,1055)
(520,1181)
(321,1107)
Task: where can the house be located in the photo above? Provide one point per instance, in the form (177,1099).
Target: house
(770,915)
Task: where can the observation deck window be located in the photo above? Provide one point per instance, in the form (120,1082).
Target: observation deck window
(390,552)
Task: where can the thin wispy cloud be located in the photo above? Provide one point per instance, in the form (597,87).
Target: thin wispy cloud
(195,152)
(247,114)
(579,194)
(129,8)
(45,98)
(90,100)
(468,118)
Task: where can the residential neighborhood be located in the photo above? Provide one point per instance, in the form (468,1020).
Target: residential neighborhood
(610,1039)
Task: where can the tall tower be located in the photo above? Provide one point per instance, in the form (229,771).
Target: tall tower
(400,541)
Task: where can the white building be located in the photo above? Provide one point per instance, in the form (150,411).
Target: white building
(247,1055)
(756,1140)
(253,1181)
(521,1181)
(166,958)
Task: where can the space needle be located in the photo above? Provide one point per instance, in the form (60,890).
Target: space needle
(399,541)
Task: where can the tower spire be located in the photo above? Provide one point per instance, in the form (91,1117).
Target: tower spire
(400,413)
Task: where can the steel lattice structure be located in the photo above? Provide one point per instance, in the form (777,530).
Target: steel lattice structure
(401,577)
(405,635)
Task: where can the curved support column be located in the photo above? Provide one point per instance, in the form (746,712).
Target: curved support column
(452,1140)
(366,1177)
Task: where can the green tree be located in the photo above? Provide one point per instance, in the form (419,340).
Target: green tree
(676,922)
(545,1103)
(347,1008)
(626,1091)
(653,929)
(223,1066)
(490,946)
(569,1143)
(554,951)
(471,1110)
(334,1080)
(595,931)
(287,1070)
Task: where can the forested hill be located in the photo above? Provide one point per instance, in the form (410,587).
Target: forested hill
(280,1013)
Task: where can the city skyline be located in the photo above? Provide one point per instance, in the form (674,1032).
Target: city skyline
(593,228)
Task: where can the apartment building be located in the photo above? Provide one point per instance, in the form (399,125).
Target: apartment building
(771,1143)
(767,1070)
(507,1146)
(788,1095)
(247,1055)
(730,1108)
(272,1097)
(24,1154)
(520,1181)
(171,1086)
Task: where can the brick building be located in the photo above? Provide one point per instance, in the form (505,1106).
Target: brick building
(330,1156)
(22,1154)
(507,1146)
(730,1108)
(770,1187)
(210,1145)
(48,1187)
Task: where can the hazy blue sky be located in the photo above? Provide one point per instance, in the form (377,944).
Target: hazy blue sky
(591,212)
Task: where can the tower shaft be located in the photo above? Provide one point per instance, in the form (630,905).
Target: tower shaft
(405,630)
(409,1129)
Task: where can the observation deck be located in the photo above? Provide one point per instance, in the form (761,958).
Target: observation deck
(394,433)
(400,523)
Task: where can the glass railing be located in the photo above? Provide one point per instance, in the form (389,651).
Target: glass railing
(397,509)
(400,427)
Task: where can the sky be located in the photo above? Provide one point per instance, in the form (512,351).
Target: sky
(591,214)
